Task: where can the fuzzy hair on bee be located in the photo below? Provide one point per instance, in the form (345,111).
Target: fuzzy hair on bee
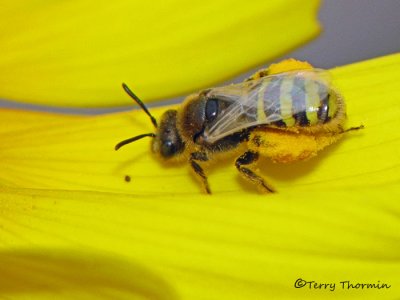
(287,112)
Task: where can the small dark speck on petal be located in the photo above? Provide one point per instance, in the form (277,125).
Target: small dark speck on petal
(127,178)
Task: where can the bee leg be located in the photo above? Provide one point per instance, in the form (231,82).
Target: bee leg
(200,156)
(353,128)
(248,158)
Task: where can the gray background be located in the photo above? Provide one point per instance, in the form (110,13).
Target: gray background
(353,30)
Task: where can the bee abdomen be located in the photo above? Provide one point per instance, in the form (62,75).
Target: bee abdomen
(323,110)
(295,101)
(267,105)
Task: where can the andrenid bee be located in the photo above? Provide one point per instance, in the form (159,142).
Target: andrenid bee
(287,112)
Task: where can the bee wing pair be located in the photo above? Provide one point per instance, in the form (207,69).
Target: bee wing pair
(268,100)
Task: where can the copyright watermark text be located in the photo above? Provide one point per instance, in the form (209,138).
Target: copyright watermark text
(344,285)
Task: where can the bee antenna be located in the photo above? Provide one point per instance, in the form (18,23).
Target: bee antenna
(131,140)
(141,104)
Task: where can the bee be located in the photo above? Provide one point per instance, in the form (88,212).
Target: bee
(286,115)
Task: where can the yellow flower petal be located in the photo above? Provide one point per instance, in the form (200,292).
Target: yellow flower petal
(237,247)
(77,53)
(55,274)
(335,218)
(65,152)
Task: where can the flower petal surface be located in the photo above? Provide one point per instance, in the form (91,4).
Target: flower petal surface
(221,247)
(53,151)
(57,274)
(77,53)
(332,230)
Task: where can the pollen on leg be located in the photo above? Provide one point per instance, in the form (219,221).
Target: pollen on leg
(287,65)
(286,147)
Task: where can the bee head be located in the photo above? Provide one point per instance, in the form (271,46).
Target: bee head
(167,141)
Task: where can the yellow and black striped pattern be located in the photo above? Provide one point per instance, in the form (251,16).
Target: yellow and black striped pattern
(295,100)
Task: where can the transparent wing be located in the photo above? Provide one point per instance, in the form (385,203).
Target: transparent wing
(266,100)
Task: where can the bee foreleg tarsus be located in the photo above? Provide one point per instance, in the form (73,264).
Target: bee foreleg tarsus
(248,158)
(200,156)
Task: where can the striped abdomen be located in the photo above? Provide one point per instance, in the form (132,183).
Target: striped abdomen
(296,100)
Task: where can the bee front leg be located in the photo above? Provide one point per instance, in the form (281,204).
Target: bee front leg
(200,156)
(248,158)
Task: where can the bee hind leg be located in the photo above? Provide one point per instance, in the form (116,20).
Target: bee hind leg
(353,128)
(200,156)
(248,158)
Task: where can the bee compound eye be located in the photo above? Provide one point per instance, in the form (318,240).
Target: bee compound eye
(168,148)
(211,109)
